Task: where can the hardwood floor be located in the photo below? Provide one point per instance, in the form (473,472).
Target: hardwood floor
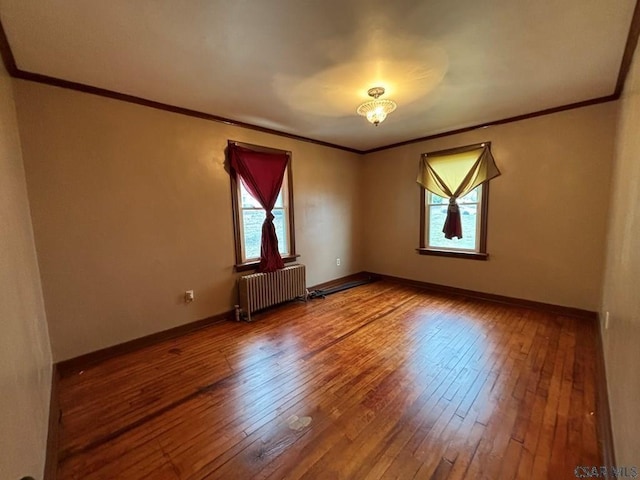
(396,383)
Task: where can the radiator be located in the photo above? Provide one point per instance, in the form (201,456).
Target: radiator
(262,290)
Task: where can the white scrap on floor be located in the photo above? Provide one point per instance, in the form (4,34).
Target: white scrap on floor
(298,423)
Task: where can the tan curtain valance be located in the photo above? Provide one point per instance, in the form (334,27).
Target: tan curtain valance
(455,172)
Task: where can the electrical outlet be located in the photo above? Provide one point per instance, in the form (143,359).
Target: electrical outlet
(188,296)
(337,262)
(606,320)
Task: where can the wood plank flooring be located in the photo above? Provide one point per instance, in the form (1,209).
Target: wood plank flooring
(396,382)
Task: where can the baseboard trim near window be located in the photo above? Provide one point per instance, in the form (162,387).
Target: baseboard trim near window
(518,302)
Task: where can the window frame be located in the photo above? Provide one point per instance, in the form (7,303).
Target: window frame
(287,185)
(481,254)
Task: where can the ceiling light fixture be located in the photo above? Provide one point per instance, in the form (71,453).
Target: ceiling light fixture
(376,110)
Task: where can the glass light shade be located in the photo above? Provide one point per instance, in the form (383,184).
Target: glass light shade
(376,110)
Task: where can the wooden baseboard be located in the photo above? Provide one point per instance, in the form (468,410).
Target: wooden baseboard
(342,280)
(76,364)
(605,433)
(51,459)
(518,302)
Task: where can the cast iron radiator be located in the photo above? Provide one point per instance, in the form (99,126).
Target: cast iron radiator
(262,290)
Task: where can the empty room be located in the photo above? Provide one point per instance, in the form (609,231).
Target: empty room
(319,240)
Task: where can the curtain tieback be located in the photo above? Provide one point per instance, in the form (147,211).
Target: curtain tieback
(453,205)
(270,216)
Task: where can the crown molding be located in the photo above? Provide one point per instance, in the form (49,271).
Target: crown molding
(627,57)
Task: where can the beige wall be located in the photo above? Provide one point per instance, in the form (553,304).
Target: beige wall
(131,206)
(547,212)
(25,356)
(622,279)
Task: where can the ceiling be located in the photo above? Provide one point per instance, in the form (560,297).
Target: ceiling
(302,67)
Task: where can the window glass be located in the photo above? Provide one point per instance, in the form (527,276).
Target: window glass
(436,213)
(252,216)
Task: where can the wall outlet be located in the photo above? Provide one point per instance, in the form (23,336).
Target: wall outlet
(337,262)
(606,320)
(188,296)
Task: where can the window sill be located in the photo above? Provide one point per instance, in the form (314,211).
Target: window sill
(453,254)
(245,267)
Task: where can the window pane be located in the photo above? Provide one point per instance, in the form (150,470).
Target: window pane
(281,231)
(252,230)
(471,197)
(247,199)
(437,217)
(252,223)
(433,198)
(249,202)
(279,203)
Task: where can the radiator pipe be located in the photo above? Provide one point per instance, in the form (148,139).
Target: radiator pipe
(322,293)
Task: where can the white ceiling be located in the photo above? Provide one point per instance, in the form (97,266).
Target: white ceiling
(303,66)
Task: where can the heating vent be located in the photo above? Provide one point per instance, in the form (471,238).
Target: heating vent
(262,290)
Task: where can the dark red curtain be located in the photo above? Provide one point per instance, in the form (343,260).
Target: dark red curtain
(453,223)
(262,173)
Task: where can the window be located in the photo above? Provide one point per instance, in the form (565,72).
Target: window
(473,213)
(461,174)
(248,217)
(251,220)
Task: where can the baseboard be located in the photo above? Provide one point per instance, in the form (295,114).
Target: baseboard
(51,459)
(603,412)
(518,302)
(339,281)
(82,362)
